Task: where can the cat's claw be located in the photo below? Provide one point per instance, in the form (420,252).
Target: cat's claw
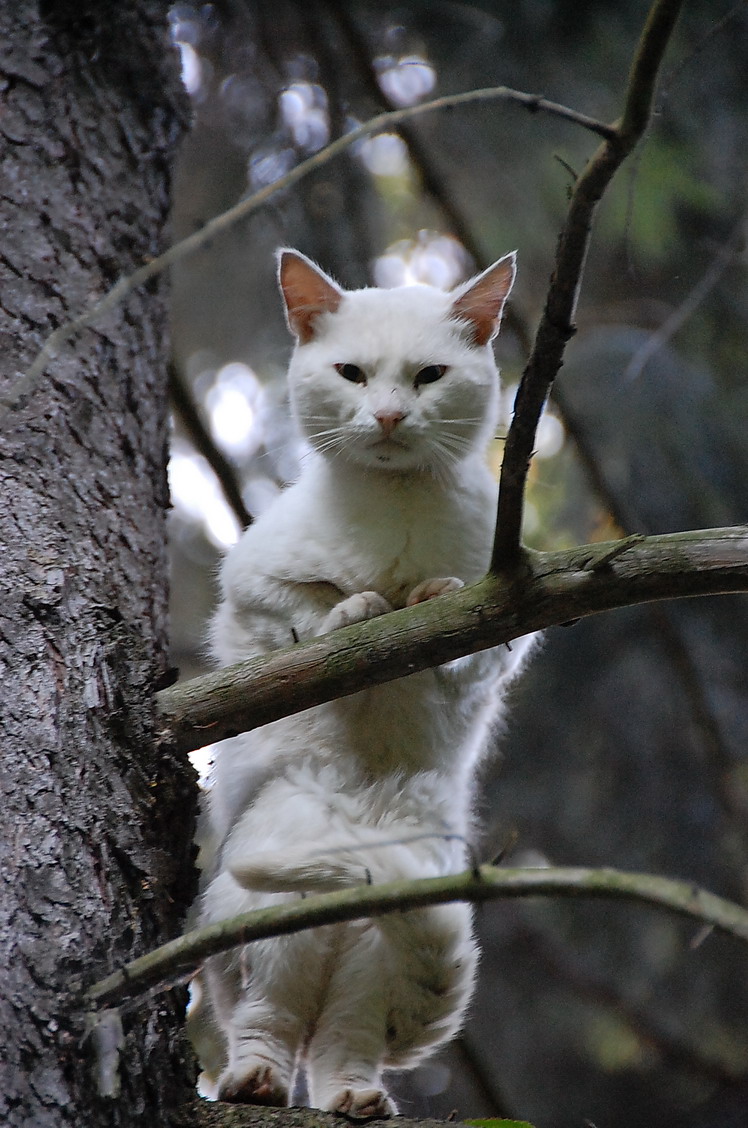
(363,1104)
(260,1086)
(430,589)
(356,609)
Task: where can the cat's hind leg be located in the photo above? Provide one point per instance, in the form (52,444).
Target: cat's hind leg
(345,1053)
(261,1061)
(262,1038)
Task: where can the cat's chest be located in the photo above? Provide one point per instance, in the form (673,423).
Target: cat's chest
(392,550)
(389,539)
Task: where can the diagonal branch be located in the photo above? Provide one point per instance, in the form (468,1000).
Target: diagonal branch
(185,408)
(557,323)
(724,258)
(557,587)
(27,381)
(432,179)
(183,955)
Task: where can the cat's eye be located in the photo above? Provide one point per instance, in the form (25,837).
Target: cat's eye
(430,374)
(351,372)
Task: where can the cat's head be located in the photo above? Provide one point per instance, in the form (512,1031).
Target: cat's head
(394,380)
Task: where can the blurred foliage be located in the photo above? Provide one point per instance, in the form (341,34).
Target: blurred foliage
(625,744)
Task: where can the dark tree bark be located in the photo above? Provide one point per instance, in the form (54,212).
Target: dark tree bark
(95,819)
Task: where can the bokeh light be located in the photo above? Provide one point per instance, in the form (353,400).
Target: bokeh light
(431,258)
(406,80)
(196,493)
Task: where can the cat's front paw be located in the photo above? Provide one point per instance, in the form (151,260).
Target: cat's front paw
(356,609)
(430,589)
(259,1086)
(363,1104)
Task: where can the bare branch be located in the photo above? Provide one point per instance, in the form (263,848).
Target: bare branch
(171,961)
(220,223)
(557,323)
(189,416)
(555,588)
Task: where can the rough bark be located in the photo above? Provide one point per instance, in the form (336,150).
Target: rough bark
(95,822)
(204,1114)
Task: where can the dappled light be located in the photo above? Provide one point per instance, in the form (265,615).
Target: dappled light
(233,402)
(196,493)
(384,155)
(303,108)
(431,258)
(405,80)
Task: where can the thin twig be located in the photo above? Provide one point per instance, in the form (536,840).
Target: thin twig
(246,207)
(433,181)
(171,961)
(604,559)
(675,73)
(557,323)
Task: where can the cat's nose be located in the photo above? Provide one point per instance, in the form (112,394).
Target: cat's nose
(388,420)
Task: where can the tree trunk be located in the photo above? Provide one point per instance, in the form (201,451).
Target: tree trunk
(95,819)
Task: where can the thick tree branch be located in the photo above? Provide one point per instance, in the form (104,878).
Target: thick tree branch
(554,588)
(26,382)
(557,323)
(173,960)
(219,1114)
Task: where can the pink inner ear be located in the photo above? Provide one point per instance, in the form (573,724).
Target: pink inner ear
(483,303)
(307,293)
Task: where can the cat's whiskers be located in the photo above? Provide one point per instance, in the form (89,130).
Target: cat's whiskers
(446,452)
(334,444)
(454,447)
(455,438)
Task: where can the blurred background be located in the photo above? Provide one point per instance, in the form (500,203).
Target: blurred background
(625,744)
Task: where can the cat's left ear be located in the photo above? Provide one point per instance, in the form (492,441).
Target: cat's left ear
(480,302)
(307,292)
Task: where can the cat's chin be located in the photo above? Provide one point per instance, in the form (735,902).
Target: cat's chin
(389,458)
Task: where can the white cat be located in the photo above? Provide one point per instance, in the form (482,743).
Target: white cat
(397,393)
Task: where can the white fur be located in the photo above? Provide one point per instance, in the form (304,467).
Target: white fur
(377,786)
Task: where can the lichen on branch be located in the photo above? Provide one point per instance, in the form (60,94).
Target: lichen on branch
(552,589)
(487,883)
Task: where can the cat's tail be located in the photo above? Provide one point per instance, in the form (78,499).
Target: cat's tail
(291,871)
(382,858)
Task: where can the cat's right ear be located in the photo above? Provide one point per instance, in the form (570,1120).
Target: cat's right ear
(307,293)
(480,301)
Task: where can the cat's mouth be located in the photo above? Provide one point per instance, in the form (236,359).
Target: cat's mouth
(387,449)
(387,442)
